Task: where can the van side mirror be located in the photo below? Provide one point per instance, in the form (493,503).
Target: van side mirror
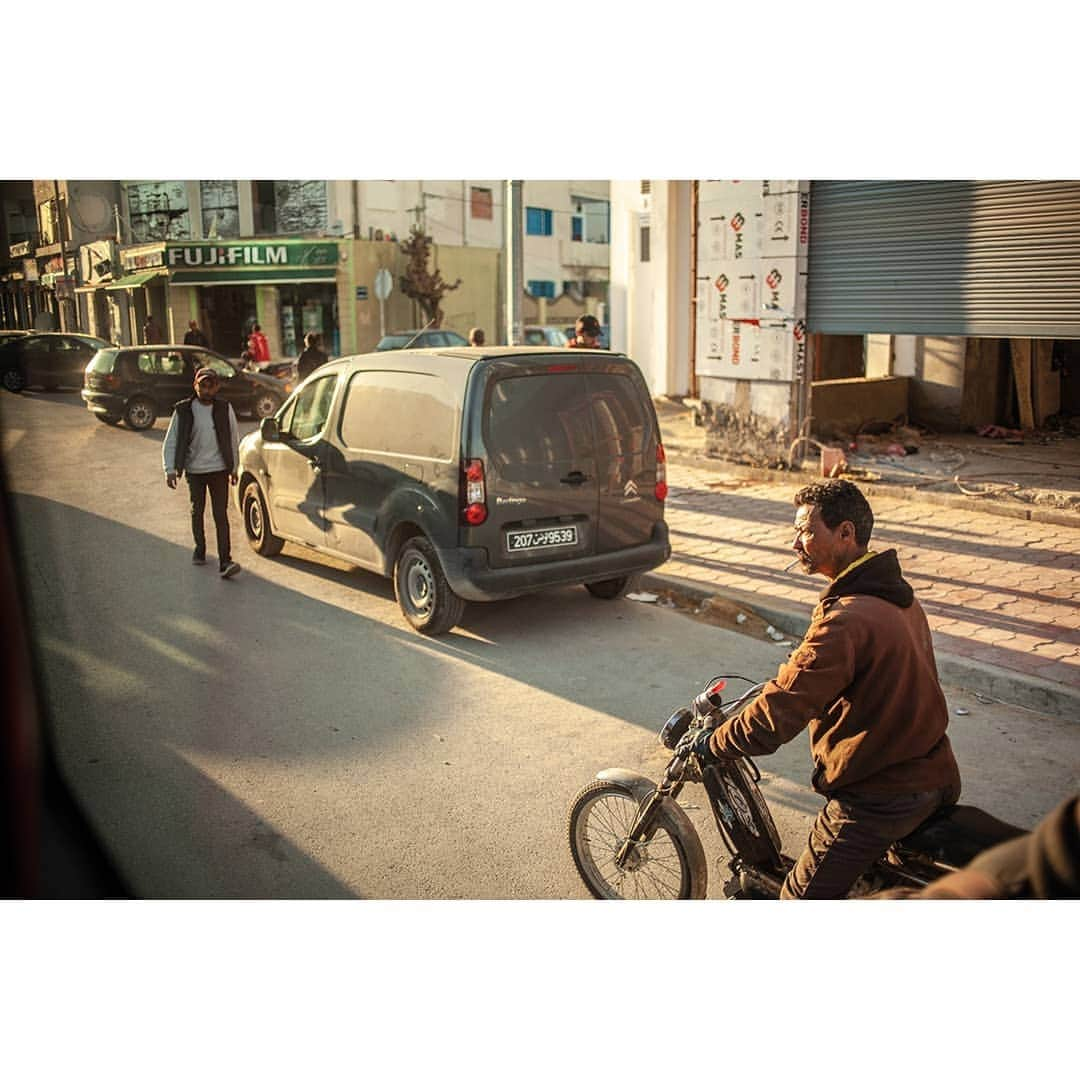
(269,430)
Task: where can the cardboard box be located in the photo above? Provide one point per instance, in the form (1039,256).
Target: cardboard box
(782,288)
(736,284)
(786,226)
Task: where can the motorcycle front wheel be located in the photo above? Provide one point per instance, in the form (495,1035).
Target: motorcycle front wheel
(660,868)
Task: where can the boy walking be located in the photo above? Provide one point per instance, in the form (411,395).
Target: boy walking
(204,442)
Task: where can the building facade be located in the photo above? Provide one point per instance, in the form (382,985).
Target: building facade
(828,304)
(292,256)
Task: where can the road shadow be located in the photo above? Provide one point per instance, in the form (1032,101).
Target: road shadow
(160,680)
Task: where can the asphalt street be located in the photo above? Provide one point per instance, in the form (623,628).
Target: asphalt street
(285,734)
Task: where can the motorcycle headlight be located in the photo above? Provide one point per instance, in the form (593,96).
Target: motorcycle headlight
(677,725)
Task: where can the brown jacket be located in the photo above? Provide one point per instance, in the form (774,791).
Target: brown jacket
(865,680)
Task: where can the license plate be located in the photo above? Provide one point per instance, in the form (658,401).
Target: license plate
(530,539)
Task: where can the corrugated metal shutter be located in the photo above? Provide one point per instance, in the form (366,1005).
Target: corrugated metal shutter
(979,258)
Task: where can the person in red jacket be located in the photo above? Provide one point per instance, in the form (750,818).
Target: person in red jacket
(258,346)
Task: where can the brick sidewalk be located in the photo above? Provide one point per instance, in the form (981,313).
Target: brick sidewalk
(998,591)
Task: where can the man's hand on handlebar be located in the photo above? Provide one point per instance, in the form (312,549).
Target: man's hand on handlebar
(703,749)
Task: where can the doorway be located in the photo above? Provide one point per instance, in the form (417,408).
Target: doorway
(226,314)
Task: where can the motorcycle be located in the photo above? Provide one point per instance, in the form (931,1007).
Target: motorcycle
(630,839)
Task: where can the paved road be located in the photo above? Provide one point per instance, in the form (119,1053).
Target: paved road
(285,734)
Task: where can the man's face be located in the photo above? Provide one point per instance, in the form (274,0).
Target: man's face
(586,336)
(822,550)
(206,389)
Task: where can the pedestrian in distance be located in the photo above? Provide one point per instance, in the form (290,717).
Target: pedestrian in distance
(151,332)
(195,336)
(203,441)
(312,356)
(882,759)
(586,333)
(257,346)
(476,337)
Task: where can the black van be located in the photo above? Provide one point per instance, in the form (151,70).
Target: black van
(466,474)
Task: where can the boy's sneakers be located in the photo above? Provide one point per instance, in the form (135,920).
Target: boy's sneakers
(229,569)
(198,559)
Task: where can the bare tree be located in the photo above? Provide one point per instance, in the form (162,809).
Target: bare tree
(419,283)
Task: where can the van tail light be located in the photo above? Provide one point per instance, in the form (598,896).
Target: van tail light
(475,493)
(661,472)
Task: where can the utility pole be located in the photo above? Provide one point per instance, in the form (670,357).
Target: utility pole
(63,264)
(515,262)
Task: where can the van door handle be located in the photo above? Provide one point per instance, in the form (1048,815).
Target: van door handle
(575,477)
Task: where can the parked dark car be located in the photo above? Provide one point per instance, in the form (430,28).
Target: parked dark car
(139,383)
(46,360)
(424,339)
(465,474)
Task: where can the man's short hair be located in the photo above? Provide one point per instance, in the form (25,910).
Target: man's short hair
(837,501)
(477,335)
(588,324)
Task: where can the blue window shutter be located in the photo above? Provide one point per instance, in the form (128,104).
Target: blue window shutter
(537,221)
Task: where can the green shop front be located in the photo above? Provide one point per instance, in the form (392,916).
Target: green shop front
(288,287)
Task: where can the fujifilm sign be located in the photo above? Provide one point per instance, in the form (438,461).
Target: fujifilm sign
(240,255)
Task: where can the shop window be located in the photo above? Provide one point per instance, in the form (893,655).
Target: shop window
(542,288)
(220,208)
(158,210)
(290,206)
(481,203)
(537,221)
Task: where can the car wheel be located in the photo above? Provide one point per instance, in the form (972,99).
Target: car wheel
(257,522)
(14,380)
(264,405)
(108,418)
(422,591)
(608,589)
(140,414)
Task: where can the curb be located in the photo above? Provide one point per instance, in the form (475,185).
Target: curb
(1039,515)
(1011,687)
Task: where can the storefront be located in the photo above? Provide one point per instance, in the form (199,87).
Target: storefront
(966,288)
(288,286)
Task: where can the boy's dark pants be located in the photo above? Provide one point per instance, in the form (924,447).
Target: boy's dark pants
(218,485)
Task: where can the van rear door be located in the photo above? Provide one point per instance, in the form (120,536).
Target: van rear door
(625,436)
(540,464)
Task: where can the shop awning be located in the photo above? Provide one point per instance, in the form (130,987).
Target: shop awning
(252,275)
(135,281)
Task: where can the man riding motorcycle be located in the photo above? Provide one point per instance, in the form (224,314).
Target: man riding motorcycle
(865,681)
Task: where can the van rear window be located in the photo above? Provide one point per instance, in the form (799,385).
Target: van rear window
(538,418)
(622,422)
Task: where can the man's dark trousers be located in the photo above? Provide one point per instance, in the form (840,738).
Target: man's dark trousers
(218,485)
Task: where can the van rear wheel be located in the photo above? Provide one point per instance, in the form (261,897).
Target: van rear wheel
(608,589)
(422,591)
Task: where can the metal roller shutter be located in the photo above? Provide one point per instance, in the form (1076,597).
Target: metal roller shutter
(978,258)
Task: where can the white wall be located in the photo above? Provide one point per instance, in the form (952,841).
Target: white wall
(650,301)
